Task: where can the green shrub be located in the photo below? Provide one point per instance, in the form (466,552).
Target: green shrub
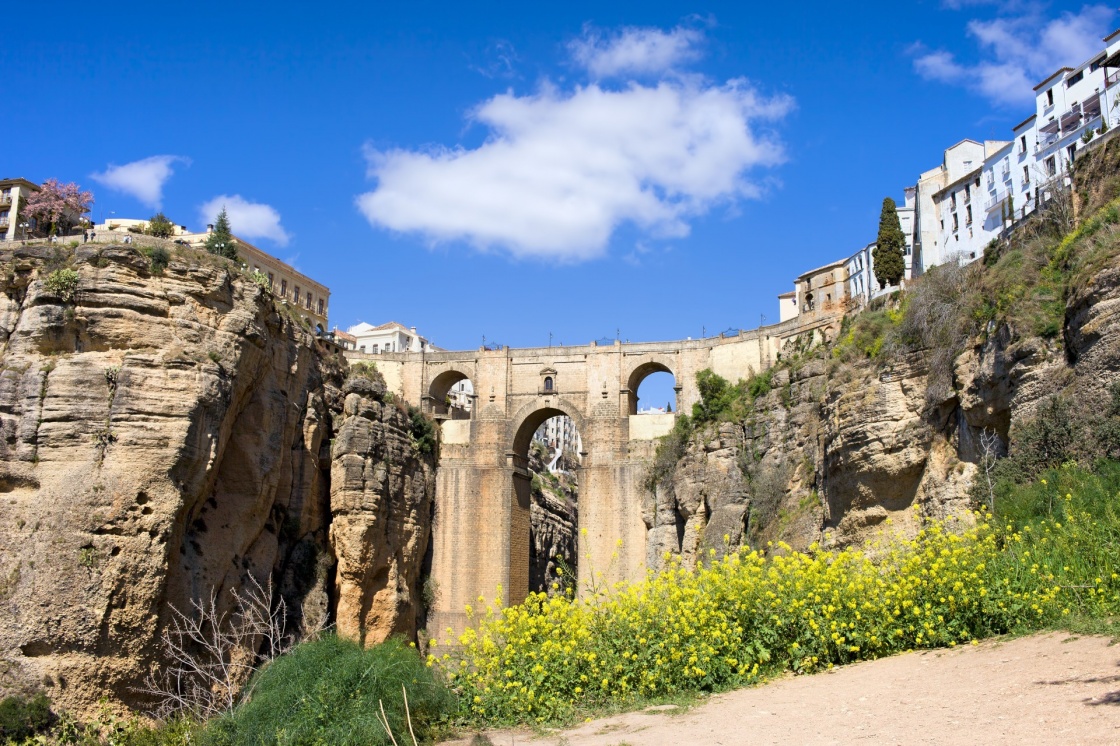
(160,259)
(22,717)
(422,429)
(330,691)
(367,370)
(63,283)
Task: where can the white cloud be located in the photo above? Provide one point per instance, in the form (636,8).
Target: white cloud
(1017,51)
(635,51)
(142,179)
(562,170)
(246,219)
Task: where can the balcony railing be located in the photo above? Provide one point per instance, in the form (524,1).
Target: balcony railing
(994,202)
(1112,80)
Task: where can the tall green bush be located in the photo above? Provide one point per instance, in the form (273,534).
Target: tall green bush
(330,691)
(889,246)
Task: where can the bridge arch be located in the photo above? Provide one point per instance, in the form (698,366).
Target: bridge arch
(644,370)
(441,401)
(531,416)
(519,437)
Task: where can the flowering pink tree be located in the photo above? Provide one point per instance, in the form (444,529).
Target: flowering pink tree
(57,206)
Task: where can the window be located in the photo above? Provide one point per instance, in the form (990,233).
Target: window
(1051,168)
(1074,79)
(968,215)
(1023,144)
(953,201)
(295,294)
(956,223)
(1026,175)
(362,348)
(1070,151)
(270,280)
(548,383)
(1050,97)
(322,307)
(308,303)
(4,216)
(283,288)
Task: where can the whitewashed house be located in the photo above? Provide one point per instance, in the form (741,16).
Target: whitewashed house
(389,337)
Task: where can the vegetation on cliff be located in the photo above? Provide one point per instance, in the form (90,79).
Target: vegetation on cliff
(1051,559)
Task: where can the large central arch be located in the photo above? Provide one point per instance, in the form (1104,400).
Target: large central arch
(520,436)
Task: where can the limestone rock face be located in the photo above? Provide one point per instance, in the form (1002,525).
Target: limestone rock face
(162,437)
(843,453)
(382,492)
(553,522)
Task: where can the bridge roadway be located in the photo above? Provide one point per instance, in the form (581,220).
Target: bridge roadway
(481,524)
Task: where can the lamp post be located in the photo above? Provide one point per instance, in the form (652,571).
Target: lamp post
(25,225)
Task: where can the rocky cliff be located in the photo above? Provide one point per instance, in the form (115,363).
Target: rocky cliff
(164,435)
(839,448)
(553,521)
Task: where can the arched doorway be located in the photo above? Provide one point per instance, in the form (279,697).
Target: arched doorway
(653,389)
(451,396)
(547,455)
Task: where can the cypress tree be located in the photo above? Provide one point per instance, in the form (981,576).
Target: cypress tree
(221,240)
(889,264)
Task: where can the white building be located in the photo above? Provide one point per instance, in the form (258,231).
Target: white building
(462,395)
(980,191)
(960,164)
(390,337)
(559,433)
(860,266)
(13,197)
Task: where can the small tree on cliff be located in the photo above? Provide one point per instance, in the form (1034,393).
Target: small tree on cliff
(889,264)
(57,207)
(160,226)
(221,240)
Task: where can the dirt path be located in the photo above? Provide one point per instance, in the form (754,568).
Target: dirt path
(1044,689)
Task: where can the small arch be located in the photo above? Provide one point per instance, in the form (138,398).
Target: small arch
(640,374)
(451,393)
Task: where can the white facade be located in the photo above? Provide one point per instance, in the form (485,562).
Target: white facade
(787,306)
(559,433)
(980,191)
(462,395)
(13,196)
(862,285)
(390,337)
(960,164)
(967,209)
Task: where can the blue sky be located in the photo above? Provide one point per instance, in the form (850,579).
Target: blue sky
(654,170)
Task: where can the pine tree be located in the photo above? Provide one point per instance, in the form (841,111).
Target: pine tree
(221,240)
(889,264)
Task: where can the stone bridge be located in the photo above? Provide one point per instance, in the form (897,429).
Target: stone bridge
(481,524)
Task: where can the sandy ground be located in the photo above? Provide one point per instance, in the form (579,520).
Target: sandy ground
(1043,689)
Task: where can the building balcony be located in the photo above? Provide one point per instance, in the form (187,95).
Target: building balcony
(994,202)
(5,200)
(1112,80)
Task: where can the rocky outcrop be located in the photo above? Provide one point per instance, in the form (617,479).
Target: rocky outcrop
(162,437)
(840,453)
(382,492)
(553,523)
